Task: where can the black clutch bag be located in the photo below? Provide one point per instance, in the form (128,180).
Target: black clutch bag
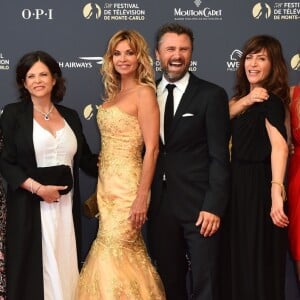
(54,175)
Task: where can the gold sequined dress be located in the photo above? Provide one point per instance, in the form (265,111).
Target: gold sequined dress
(118,266)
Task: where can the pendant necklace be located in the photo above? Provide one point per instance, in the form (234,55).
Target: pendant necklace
(46,115)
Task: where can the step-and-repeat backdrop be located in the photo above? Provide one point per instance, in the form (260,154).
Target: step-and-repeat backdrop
(76,34)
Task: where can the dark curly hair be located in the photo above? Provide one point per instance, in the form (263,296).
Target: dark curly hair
(277,81)
(25,64)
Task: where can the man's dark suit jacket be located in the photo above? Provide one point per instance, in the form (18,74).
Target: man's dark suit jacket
(195,158)
(24,241)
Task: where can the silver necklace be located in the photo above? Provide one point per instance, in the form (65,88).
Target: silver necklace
(46,115)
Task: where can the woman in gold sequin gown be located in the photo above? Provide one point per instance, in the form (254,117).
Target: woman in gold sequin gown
(118,266)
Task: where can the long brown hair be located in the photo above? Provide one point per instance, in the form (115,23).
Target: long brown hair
(277,81)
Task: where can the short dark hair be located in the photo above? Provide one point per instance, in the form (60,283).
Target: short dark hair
(27,61)
(174,28)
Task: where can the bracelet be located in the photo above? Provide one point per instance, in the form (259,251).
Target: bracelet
(31,186)
(283,193)
(37,189)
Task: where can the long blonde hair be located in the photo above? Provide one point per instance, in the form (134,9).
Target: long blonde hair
(144,73)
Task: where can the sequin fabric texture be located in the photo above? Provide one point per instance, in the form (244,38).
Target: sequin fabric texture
(118,266)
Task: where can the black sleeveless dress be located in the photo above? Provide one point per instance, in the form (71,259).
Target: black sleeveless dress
(257,248)
(2,235)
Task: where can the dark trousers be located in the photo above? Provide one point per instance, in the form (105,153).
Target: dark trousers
(170,242)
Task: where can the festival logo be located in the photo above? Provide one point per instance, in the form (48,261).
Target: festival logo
(90,111)
(288,11)
(92,11)
(261,10)
(114,11)
(295,62)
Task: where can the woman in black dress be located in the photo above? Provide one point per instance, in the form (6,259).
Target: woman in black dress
(2,234)
(257,220)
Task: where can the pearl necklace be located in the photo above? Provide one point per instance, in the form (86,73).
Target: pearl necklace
(46,115)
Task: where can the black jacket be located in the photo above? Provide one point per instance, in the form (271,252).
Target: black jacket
(195,159)
(24,243)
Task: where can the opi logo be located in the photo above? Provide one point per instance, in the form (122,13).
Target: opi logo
(37,14)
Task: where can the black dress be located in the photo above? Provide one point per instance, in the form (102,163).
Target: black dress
(257,248)
(2,234)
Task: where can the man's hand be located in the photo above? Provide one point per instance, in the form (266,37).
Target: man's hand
(208,222)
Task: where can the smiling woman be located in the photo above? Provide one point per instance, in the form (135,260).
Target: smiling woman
(257,220)
(257,66)
(43,219)
(128,122)
(125,60)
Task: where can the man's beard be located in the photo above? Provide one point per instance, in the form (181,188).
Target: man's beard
(172,77)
